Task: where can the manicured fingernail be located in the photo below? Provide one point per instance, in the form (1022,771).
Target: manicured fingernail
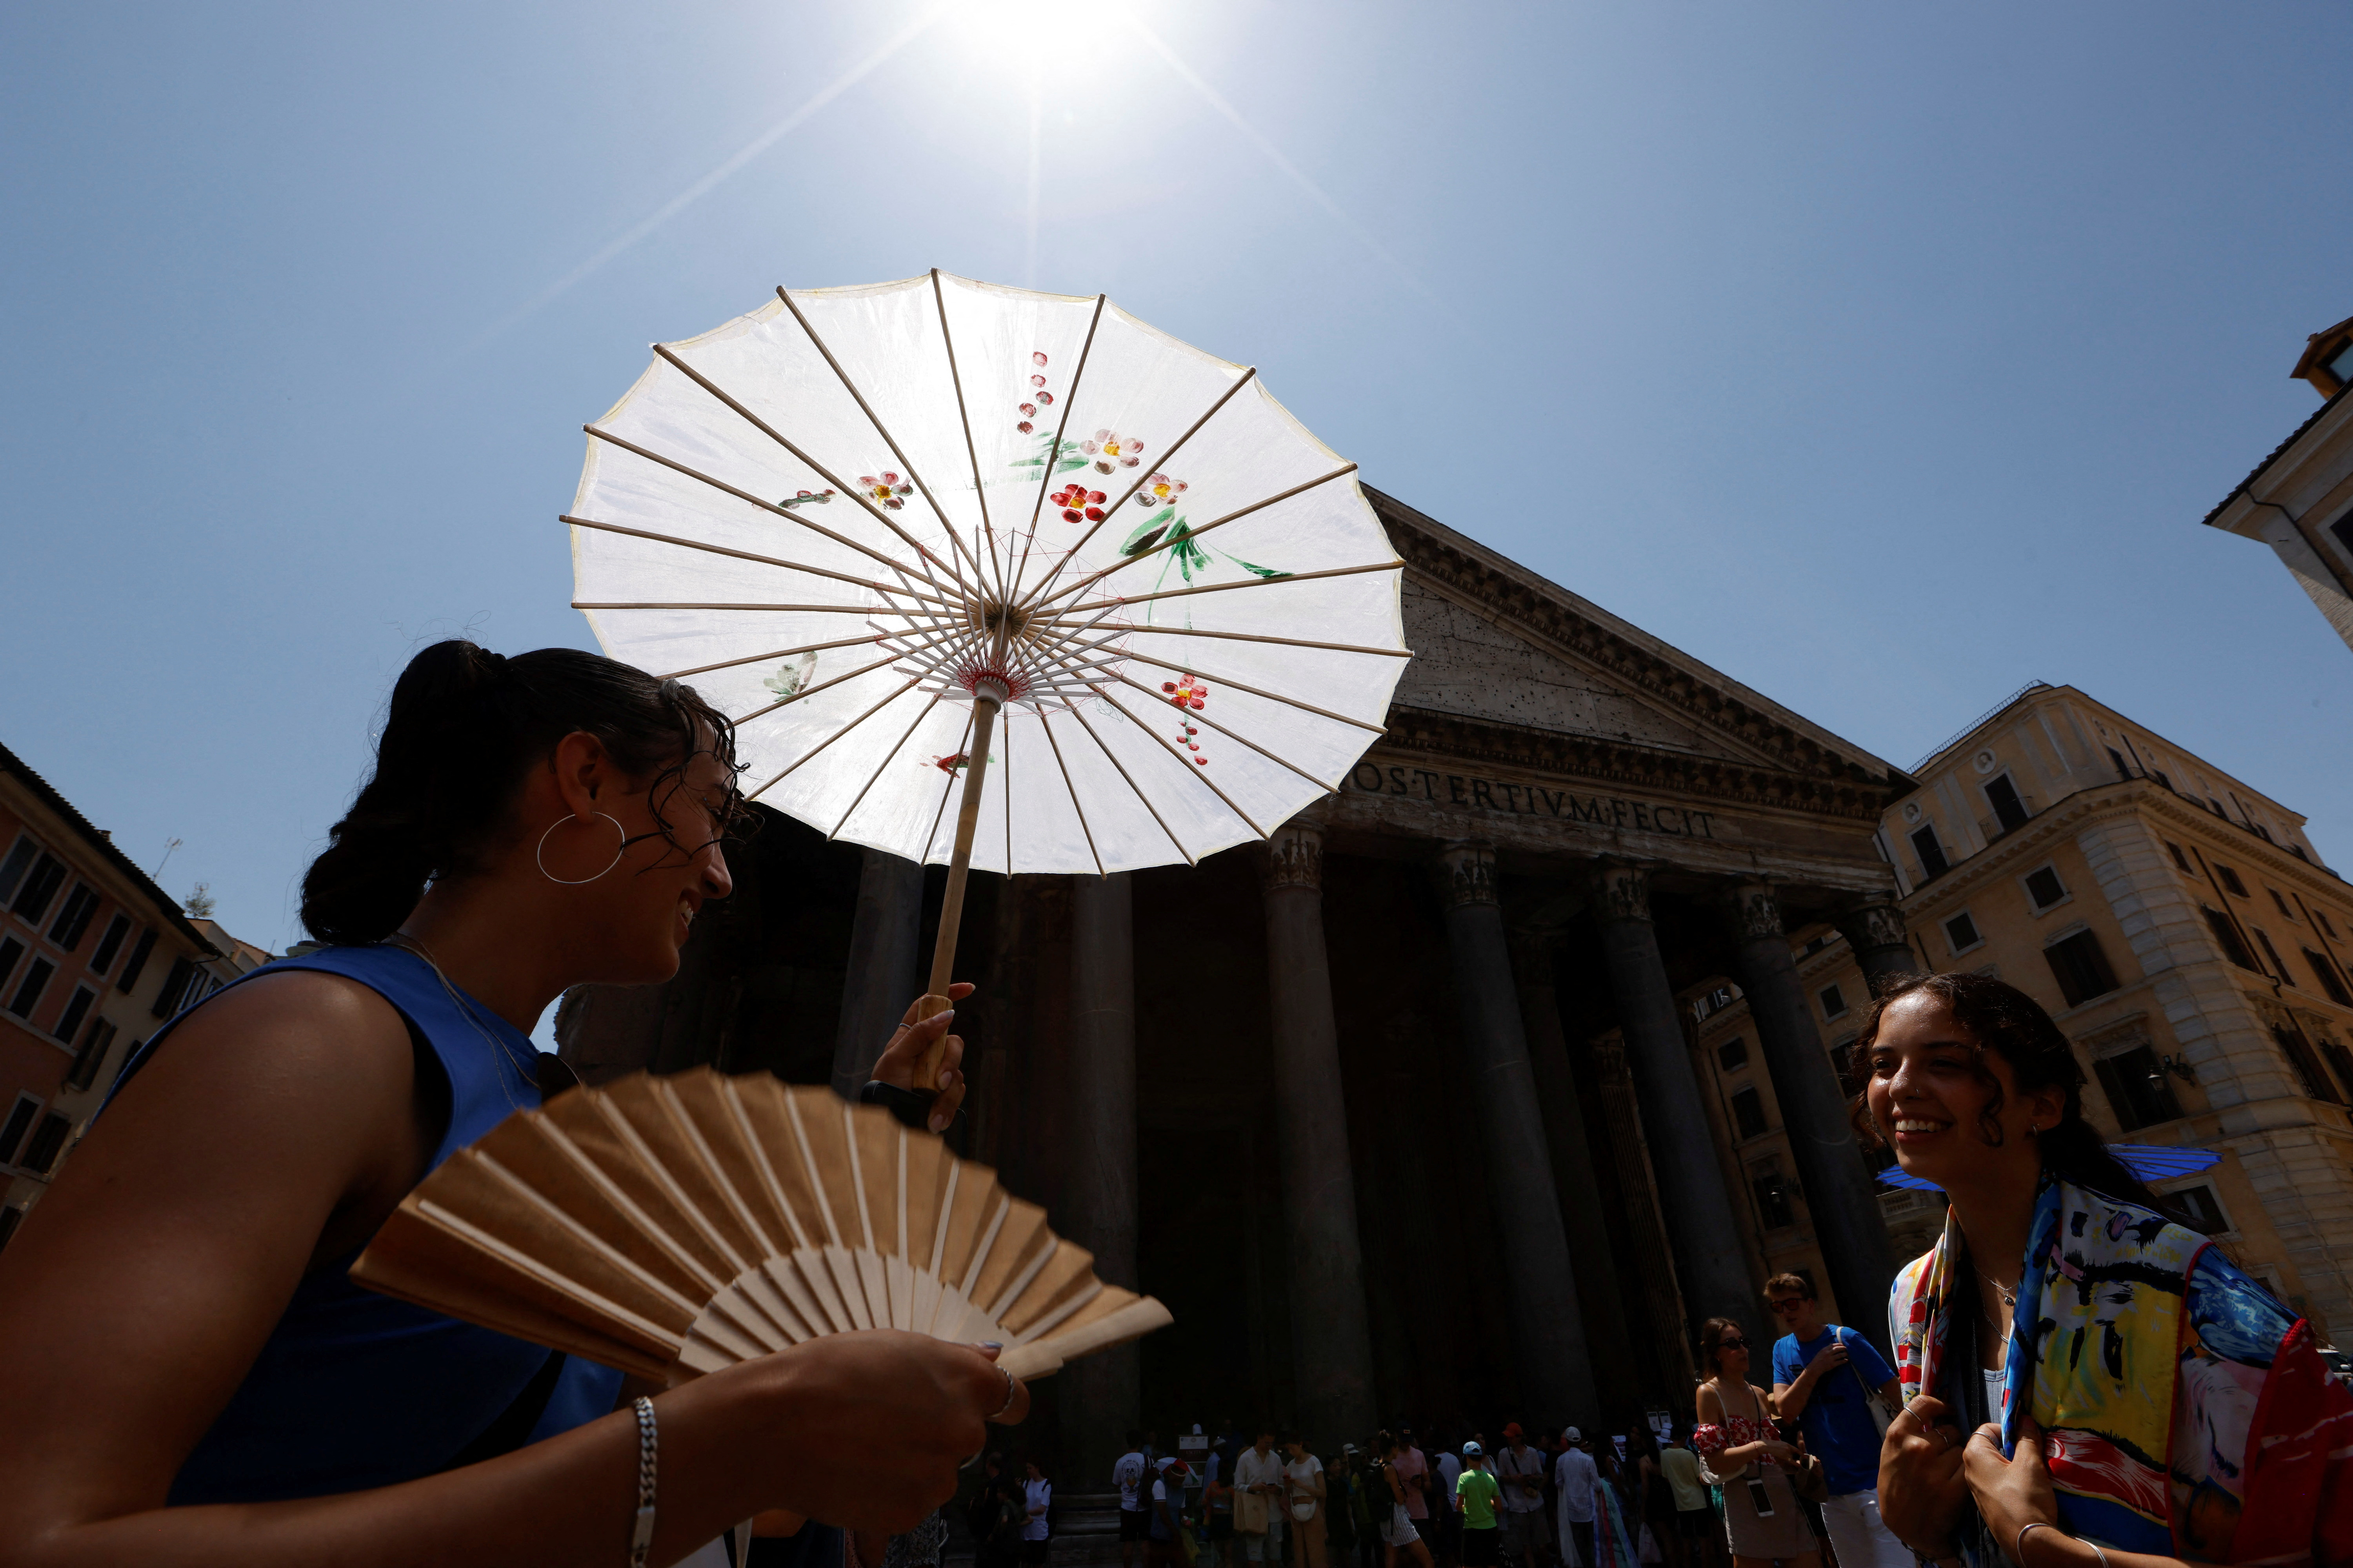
(939,1123)
(992,1345)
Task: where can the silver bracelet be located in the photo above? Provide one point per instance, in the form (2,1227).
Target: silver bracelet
(2018,1547)
(641,1538)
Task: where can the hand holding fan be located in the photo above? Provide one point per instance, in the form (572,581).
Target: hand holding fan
(671,1226)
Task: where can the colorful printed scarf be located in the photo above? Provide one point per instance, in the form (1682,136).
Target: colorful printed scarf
(2121,1314)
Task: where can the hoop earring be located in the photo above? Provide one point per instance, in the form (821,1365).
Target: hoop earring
(539,854)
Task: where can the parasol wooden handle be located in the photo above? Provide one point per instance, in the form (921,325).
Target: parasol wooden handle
(936,999)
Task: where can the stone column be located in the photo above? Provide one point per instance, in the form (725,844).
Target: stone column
(1700,1226)
(1667,1319)
(1839,1191)
(1104,1395)
(881,979)
(1556,1368)
(1874,929)
(1572,1176)
(1330,1336)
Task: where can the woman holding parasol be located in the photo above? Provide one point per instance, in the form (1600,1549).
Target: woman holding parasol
(194,1377)
(2089,1383)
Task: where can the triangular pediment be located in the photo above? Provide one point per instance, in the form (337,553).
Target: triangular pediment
(1495,642)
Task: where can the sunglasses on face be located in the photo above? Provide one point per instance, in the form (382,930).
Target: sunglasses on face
(1789,1303)
(1732,1344)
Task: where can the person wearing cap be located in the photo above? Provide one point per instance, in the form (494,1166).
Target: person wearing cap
(1477,1494)
(1520,1472)
(1305,1494)
(1574,1475)
(1167,1505)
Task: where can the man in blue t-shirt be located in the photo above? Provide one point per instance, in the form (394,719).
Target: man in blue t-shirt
(1824,1378)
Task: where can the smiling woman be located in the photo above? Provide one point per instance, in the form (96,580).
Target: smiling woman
(2187,1411)
(533,823)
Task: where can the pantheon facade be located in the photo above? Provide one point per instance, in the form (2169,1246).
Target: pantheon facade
(1398,1112)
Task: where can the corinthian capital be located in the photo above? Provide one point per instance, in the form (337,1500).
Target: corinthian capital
(1469,874)
(1755,912)
(1871,922)
(1294,857)
(1624,891)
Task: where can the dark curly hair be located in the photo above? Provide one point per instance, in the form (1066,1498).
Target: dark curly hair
(464,726)
(2001,1018)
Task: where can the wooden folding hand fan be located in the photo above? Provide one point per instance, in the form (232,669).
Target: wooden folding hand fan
(674,1226)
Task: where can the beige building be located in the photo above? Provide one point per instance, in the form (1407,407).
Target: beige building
(2180,927)
(2299,501)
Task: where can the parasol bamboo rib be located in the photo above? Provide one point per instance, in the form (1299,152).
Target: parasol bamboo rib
(887,760)
(702,605)
(1005,794)
(1191,767)
(1053,453)
(829,739)
(1173,539)
(1324,784)
(777,653)
(1244,686)
(749,555)
(1245,583)
(811,691)
(828,475)
(790,514)
(1224,397)
(876,420)
(964,747)
(1278,642)
(1112,758)
(964,418)
(1046,723)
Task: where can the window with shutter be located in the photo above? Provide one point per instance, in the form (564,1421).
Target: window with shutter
(73,921)
(1749,1113)
(2043,886)
(1932,854)
(2330,981)
(41,884)
(19,1123)
(48,1141)
(111,944)
(2080,968)
(2008,809)
(2198,1210)
(2137,1089)
(95,1043)
(1833,1000)
(175,983)
(76,1009)
(2230,879)
(29,992)
(137,960)
(20,861)
(1962,932)
(2179,859)
(2226,936)
(2306,1063)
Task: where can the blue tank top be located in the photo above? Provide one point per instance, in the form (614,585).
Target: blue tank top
(354,1389)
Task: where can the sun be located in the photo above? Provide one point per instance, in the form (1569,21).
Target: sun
(1047,41)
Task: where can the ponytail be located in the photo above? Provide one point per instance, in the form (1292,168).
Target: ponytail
(464,727)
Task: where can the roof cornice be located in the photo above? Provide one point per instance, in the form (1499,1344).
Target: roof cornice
(167,908)
(1782,741)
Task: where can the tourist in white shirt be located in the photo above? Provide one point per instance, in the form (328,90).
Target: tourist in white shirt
(1520,1472)
(1037,1496)
(1258,1501)
(1304,1495)
(1575,1474)
(1127,1474)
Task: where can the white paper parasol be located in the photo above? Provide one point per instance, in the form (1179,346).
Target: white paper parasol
(865,521)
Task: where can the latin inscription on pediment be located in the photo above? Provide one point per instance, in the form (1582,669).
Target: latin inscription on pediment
(1476,793)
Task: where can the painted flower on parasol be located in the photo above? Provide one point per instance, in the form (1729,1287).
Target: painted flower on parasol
(1044,648)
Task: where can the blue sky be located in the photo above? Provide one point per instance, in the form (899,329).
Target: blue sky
(1885,358)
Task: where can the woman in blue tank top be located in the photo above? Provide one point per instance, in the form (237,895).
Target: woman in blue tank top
(188,1373)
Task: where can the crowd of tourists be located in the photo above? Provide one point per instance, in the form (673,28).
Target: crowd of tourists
(2200,1424)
